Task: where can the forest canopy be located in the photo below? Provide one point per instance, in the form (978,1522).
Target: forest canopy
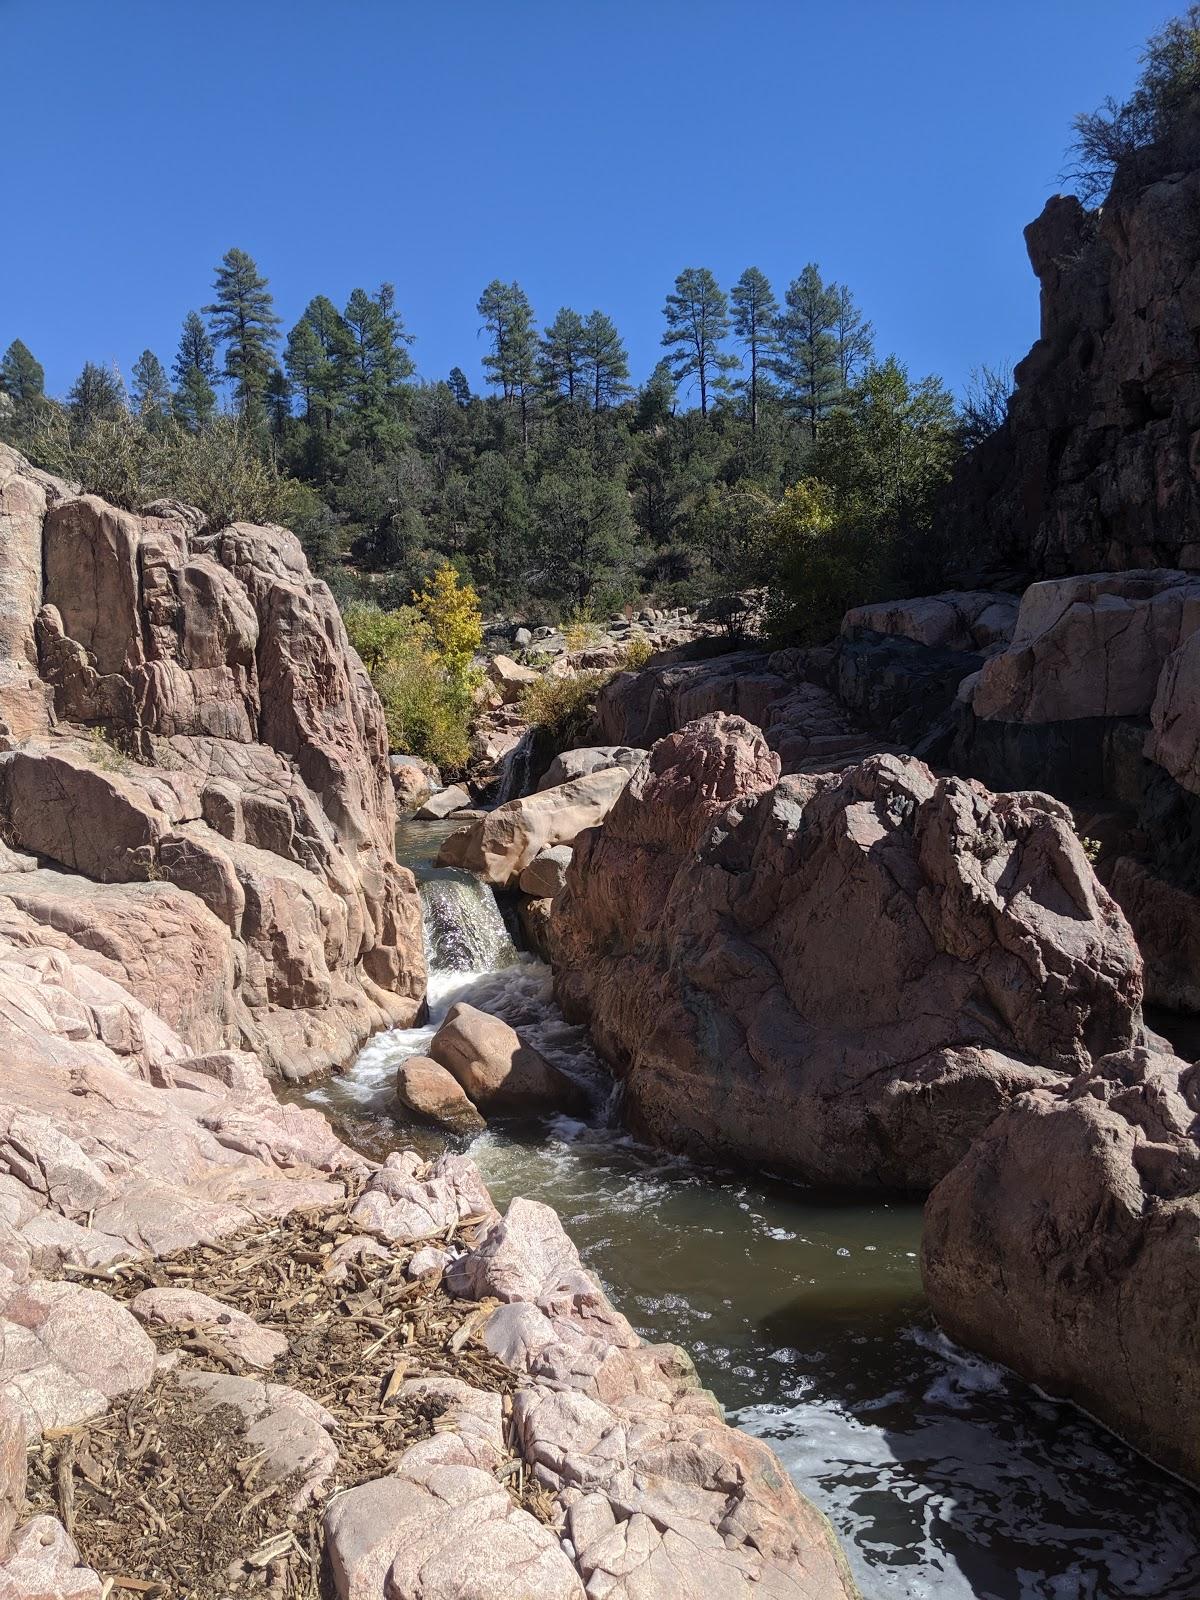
(567,488)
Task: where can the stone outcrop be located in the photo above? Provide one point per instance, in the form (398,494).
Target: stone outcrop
(713,935)
(1094,468)
(500,845)
(571,764)
(1064,1244)
(206,725)
(967,620)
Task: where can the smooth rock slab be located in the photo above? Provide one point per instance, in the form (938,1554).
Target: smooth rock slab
(290,1427)
(447,1533)
(66,1351)
(241,1335)
(44,1564)
(444,803)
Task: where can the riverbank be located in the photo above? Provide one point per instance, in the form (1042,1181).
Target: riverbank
(943,1474)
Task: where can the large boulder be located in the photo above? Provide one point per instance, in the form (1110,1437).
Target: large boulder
(497,1070)
(428,1090)
(546,873)
(500,845)
(636,708)
(1065,1245)
(1091,646)
(572,764)
(509,678)
(717,951)
(967,620)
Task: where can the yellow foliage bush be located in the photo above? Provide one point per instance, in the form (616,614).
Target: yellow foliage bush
(419,658)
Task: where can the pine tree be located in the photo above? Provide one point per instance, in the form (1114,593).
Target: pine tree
(853,335)
(22,377)
(195,372)
(459,387)
(303,357)
(511,362)
(151,391)
(97,394)
(807,358)
(697,314)
(605,361)
(319,356)
(755,310)
(242,318)
(378,365)
(278,396)
(561,357)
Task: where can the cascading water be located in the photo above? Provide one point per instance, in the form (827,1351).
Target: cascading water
(946,1477)
(516,768)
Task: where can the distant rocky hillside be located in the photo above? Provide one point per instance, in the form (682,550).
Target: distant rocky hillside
(1097,465)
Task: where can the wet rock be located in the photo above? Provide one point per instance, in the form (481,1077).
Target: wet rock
(716,952)
(65,1352)
(430,1091)
(546,873)
(44,1564)
(502,844)
(444,803)
(290,1430)
(495,1068)
(186,1309)
(571,764)
(1064,1245)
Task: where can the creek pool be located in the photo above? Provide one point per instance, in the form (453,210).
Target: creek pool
(945,1475)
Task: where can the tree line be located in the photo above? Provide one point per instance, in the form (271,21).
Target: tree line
(567,487)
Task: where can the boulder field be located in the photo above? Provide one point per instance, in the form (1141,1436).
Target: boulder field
(800,946)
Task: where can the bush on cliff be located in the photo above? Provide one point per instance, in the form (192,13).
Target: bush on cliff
(129,461)
(419,658)
(1119,130)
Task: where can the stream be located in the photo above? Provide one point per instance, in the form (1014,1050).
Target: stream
(944,1475)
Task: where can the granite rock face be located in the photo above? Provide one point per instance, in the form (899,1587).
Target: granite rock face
(713,934)
(205,724)
(1065,1245)
(1094,468)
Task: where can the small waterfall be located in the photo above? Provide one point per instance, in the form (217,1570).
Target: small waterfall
(516,769)
(464,931)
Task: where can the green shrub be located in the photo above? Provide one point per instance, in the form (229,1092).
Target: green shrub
(637,652)
(218,468)
(563,706)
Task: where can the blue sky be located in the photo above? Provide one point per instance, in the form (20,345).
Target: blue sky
(589,150)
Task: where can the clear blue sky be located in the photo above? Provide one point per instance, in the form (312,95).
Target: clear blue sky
(590,150)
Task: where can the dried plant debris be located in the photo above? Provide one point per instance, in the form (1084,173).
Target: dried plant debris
(164,1498)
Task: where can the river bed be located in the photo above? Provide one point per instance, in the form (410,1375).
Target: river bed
(946,1477)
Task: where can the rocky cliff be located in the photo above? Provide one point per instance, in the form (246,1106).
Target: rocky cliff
(1096,466)
(194,784)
